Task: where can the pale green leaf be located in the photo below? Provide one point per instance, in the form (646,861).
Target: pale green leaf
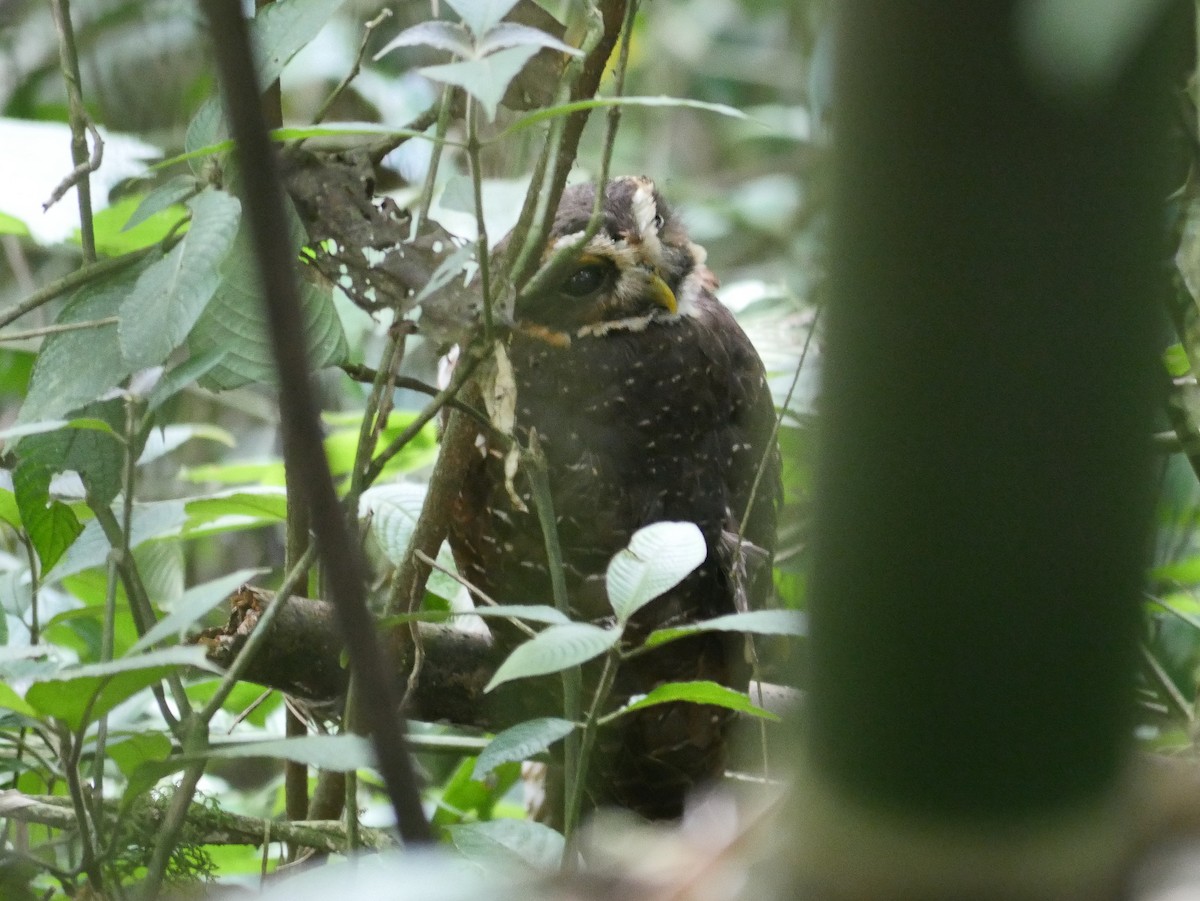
(238,509)
(522,741)
(699,692)
(481,16)
(196,602)
(340,753)
(163,441)
(553,650)
(440,35)
(658,557)
(566,109)
(282,28)
(131,750)
(755,622)
(85,693)
(168,194)
(157,519)
(173,292)
(182,376)
(511,34)
(524,843)
(392,511)
(484,79)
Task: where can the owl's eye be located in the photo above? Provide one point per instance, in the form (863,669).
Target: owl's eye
(587,279)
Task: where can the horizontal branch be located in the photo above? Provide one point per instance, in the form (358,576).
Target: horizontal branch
(211,826)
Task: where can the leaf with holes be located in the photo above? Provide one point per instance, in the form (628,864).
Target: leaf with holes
(522,741)
(553,650)
(658,558)
(755,622)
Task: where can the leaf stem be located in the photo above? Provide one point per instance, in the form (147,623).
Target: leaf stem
(70,282)
(481,239)
(587,742)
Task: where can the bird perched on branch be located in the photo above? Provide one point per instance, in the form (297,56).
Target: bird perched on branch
(649,404)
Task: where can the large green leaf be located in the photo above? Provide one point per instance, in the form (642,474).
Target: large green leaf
(553,650)
(166,195)
(525,843)
(522,741)
(484,79)
(756,622)
(85,693)
(236,322)
(76,367)
(172,293)
(658,557)
(699,692)
(392,512)
(439,35)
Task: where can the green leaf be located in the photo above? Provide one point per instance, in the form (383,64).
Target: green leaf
(393,510)
(236,322)
(132,750)
(658,558)
(168,194)
(566,109)
(51,525)
(440,35)
(75,368)
(183,375)
(699,692)
(243,508)
(163,441)
(206,135)
(484,79)
(11,225)
(76,693)
(157,519)
(525,843)
(341,753)
(512,34)
(757,622)
(10,700)
(173,292)
(522,741)
(553,650)
(260,472)
(481,16)
(9,512)
(196,602)
(283,28)
(532,613)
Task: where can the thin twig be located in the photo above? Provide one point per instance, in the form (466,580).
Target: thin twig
(58,329)
(77,113)
(383,16)
(76,279)
(81,171)
(586,743)
(435,158)
(481,239)
(462,372)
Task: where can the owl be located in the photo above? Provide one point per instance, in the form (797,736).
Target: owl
(649,404)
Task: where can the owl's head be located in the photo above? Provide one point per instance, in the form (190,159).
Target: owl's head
(639,267)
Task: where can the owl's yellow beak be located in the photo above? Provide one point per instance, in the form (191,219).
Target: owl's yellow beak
(662,294)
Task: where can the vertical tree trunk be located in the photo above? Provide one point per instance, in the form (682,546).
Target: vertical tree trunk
(984,498)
